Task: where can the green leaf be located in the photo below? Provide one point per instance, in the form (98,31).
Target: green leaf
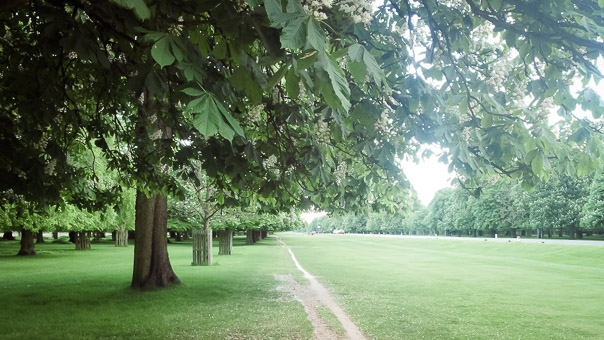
(294,33)
(140,8)
(220,50)
(355,52)
(307,61)
(292,84)
(358,71)
(496,4)
(338,82)
(276,78)
(192,92)
(274,10)
(227,115)
(537,164)
(208,119)
(160,51)
(601,3)
(316,36)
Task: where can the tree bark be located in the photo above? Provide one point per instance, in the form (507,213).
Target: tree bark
(152,266)
(8,235)
(249,237)
(579,234)
(225,242)
(40,237)
(121,237)
(178,236)
(27,243)
(264,234)
(202,245)
(82,240)
(55,235)
(72,236)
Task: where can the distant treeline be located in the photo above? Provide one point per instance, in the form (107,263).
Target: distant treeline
(562,207)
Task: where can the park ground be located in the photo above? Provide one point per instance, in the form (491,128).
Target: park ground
(391,288)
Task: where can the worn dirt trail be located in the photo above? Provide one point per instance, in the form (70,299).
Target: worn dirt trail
(312,297)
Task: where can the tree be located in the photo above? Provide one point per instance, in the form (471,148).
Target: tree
(593,211)
(310,108)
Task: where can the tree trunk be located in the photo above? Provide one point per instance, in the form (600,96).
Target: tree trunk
(579,234)
(185,235)
(8,235)
(27,243)
(72,236)
(549,234)
(98,235)
(178,236)
(113,235)
(560,233)
(55,235)
(40,237)
(197,247)
(513,233)
(152,266)
(264,234)
(249,237)
(132,234)
(225,242)
(571,233)
(121,237)
(82,240)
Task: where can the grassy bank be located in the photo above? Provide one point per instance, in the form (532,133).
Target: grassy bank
(66,294)
(447,289)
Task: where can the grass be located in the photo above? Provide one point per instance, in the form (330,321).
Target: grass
(331,320)
(443,289)
(66,294)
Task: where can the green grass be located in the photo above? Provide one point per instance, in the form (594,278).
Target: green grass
(66,294)
(445,289)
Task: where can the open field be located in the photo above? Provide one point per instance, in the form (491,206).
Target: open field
(392,288)
(66,294)
(397,288)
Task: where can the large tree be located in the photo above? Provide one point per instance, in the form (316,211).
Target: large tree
(310,102)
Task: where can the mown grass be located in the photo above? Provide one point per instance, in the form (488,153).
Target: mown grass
(397,288)
(66,294)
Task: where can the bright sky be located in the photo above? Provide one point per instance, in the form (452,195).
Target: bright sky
(427,176)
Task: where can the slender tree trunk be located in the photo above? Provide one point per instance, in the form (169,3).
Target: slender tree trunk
(178,236)
(152,266)
(513,233)
(225,242)
(27,243)
(579,234)
(185,235)
(249,237)
(206,241)
(82,240)
(8,235)
(121,237)
(114,235)
(264,234)
(55,235)
(197,247)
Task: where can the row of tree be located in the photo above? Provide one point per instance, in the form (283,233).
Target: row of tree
(284,103)
(566,205)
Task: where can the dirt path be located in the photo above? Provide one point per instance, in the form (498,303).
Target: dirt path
(313,296)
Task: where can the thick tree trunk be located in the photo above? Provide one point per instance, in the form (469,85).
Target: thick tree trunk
(114,235)
(121,237)
(98,235)
(82,240)
(178,236)
(72,236)
(151,263)
(225,242)
(249,237)
(8,235)
(27,243)
(264,234)
(132,234)
(55,235)
(549,234)
(40,237)
(256,235)
(185,235)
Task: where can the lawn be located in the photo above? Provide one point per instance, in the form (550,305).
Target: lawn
(66,294)
(392,288)
(397,288)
